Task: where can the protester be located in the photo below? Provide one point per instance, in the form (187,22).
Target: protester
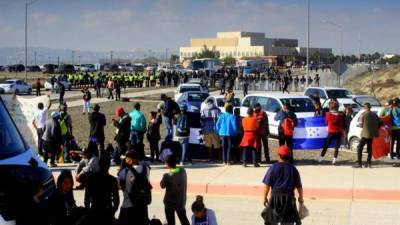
(239,134)
(201,214)
(348,117)
(335,122)
(101,195)
(229,97)
(183,133)
(153,135)
(65,121)
(138,129)
(39,122)
(87,96)
(97,121)
(123,131)
(88,165)
(287,121)
(209,116)
(250,141)
(110,87)
(61,92)
(369,122)
(263,131)
(52,139)
(133,178)
(319,111)
(175,183)
(227,130)
(117,87)
(395,116)
(168,113)
(38,86)
(281,179)
(62,203)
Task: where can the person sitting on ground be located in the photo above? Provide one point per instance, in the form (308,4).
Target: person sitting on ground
(283,178)
(88,165)
(201,214)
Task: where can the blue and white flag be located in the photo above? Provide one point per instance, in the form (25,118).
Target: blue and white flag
(310,133)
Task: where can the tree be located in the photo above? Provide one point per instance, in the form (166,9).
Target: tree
(174,59)
(229,60)
(207,53)
(315,57)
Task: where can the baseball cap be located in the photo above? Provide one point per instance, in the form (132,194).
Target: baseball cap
(284,150)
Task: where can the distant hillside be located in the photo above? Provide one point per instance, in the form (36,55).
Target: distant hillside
(384,83)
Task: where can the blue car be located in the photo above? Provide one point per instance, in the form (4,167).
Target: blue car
(193,100)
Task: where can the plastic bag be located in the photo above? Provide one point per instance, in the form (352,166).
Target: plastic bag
(303,211)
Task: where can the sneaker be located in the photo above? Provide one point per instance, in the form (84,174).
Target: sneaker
(181,164)
(334,161)
(367,165)
(244,165)
(320,158)
(357,165)
(256,165)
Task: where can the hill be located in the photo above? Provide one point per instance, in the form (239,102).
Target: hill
(383,84)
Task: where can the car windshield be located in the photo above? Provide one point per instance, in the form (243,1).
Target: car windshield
(11,143)
(372,100)
(339,93)
(197,97)
(299,104)
(189,88)
(221,102)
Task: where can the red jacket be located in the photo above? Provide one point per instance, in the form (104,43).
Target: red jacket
(335,122)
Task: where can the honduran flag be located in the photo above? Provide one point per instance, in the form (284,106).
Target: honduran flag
(310,133)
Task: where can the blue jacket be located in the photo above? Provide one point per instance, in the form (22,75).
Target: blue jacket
(395,115)
(226,125)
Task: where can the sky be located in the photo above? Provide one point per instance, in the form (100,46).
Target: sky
(129,25)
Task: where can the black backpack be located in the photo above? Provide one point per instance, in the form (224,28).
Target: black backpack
(141,188)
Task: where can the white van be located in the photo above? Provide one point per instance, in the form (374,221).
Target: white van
(272,103)
(342,95)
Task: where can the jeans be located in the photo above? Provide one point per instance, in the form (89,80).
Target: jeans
(184,145)
(86,106)
(98,92)
(332,137)
(167,121)
(170,216)
(110,93)
(363,142)
(226,144)
(136,139)
(40,132)
(244,156)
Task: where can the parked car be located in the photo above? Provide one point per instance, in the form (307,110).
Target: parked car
(355,129)
(16,86)
(66,69)
(272,103)
(361,99)
(111,67)
(64,81)
(342,95)
(19,168)
(49,68)
(2,91)
(16,68)
(182,88)
(219,101)
(193,100)
(87,68)
(2,68)
(33,69)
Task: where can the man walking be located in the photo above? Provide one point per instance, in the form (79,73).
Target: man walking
(61,92)
(369,122)
(209,116)
(175,183)
(138,128)
(97,123)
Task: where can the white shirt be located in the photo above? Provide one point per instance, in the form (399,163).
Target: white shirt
(40,117)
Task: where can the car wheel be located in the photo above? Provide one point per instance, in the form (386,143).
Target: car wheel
(354,142)
(16,91)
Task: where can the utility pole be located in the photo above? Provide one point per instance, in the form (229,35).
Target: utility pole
(72,59)
(166,55)
(26,36)
(79,59)
(111,57)
(308,42)
(35,58)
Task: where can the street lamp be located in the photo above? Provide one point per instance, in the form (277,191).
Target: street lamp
(341,45)
(26,36)
(308,41)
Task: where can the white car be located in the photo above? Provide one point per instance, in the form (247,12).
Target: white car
(64,81)
(16,86)
(361,99)
(182,88)
(272,103)
(355,129)
(87,68)
(219,101)
(342,95)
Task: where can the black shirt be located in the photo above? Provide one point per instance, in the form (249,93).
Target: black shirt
(97,123)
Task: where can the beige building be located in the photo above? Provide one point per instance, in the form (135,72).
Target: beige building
(241,45)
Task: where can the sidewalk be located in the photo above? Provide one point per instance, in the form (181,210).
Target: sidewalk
(319,182)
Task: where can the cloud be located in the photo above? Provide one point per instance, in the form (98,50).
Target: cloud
(46,19)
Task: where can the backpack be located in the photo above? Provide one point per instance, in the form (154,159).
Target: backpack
(141,188)
(288,126)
